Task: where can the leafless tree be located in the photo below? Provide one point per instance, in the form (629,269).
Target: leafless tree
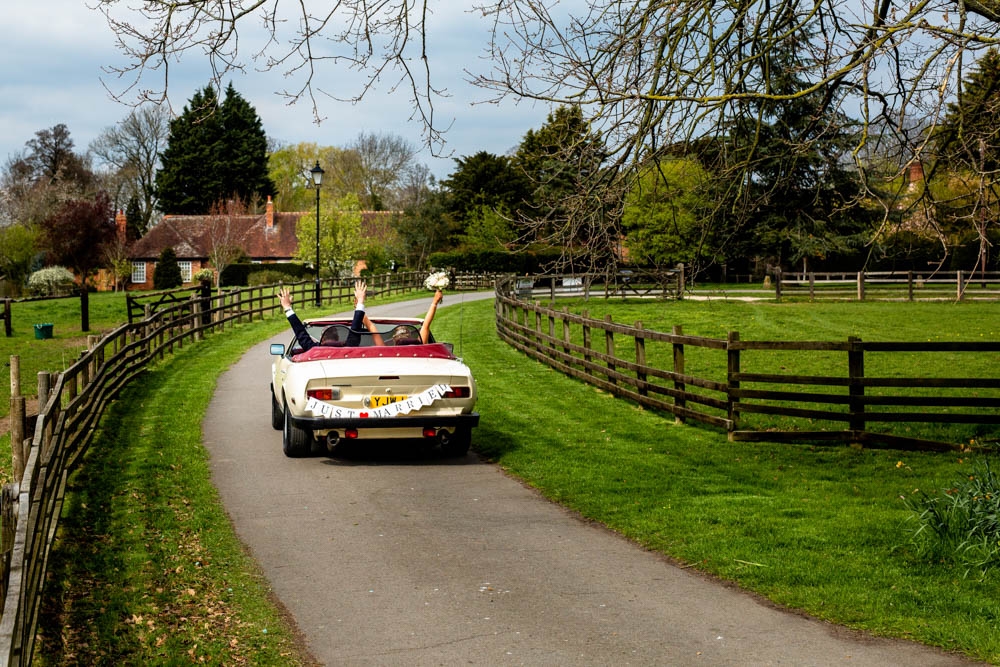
(225,235)
(648,75)
(383,159)
(132,150)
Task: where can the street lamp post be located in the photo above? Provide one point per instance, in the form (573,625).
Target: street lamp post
(317,176)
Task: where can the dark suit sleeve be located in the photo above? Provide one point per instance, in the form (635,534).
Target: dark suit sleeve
(301,335)
(357,328)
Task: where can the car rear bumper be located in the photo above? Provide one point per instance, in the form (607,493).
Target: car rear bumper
(417,421)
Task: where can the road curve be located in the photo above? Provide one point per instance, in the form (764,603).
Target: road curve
(409,560)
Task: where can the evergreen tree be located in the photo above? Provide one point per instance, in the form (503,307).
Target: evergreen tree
(970,135)
(557,159)
(486,180)
(244,151)
(167,274)
(795,200)
(215,152)
(134,229)
(965,182)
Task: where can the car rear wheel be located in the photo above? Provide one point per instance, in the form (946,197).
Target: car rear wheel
(295,442)
(277,417)
(457,444)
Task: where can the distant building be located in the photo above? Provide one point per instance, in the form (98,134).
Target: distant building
(266,238)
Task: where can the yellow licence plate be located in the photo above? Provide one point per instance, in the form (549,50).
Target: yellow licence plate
(382,401)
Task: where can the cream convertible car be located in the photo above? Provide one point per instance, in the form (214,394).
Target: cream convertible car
(389,386)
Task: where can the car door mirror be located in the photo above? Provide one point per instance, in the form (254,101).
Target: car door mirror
(277,349)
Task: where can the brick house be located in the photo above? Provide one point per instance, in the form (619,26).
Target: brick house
(266,238)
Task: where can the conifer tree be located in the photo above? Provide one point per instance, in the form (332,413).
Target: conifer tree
(167,274)
(134,228)
(215,152)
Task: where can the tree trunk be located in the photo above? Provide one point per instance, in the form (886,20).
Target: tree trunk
(84,308)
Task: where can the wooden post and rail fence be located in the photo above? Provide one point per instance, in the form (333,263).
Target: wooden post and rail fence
(738,379)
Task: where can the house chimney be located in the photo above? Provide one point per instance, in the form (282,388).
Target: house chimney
(915,174)
(269,214)
(121,224)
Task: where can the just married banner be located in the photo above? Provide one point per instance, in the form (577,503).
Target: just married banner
(411,404)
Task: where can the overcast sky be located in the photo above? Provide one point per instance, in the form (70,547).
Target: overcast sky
(52,73)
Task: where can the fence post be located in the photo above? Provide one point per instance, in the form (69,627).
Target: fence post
(565,333)
(777,285)
(681,284)
(909,285)
(586,340)
(812,286)
(18,417)
(640,359)
(856,387)
(552,325)
(961,285)
(609,349)
(861,286)
(43,390)
(680,402)
(732,370)
(196,307)
(15,375)
(7,329)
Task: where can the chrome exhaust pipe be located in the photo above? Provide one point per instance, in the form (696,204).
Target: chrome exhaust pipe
(332,440)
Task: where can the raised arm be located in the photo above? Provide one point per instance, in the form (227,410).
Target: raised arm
(376,336)
(425,328)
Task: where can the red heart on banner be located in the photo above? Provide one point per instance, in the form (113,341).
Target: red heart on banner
(364,415)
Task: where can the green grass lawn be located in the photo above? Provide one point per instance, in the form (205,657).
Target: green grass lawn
(819,529)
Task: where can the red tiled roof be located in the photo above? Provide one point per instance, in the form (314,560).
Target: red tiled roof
(191,236)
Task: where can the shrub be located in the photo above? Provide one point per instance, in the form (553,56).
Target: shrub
(204,276)
(961,523)
(51,280)
(167,273)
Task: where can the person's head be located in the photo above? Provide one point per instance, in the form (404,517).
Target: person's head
(402,333)
(331,336)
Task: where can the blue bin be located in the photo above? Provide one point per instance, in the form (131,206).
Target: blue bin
(43,331)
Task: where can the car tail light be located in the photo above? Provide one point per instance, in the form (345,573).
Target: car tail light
(351,434)
(458,392)
(320,394)
(430,432)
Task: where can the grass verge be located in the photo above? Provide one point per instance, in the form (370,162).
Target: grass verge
(825,530)
(147,569)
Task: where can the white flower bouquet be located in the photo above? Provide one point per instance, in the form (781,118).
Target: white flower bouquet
(437,281)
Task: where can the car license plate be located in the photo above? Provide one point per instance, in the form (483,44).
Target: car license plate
(382,401)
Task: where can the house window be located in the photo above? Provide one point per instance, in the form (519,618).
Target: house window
(185,271)
(138,272)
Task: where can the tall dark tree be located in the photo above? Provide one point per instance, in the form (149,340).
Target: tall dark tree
(790,198)
(558,160)
(484,179)
(75,237)
(51,157)
(215,152)
(967,174)
(167,274)
(134,225)
(244,151)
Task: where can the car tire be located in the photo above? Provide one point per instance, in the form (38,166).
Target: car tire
(277,416)
(457,444)
(295,442)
